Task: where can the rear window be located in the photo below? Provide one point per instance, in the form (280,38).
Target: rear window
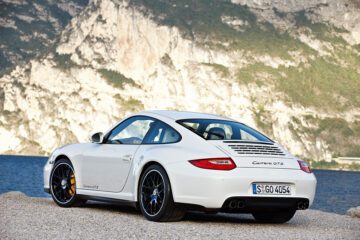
(212,129)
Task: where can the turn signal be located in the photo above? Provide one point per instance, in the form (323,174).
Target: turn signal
(304,166)
(214,163)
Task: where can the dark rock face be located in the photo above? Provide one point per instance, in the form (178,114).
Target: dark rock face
(29,28)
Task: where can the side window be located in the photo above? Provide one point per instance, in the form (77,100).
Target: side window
(162,133)
(131,131)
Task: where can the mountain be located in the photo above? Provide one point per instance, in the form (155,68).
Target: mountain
(30,28)
(288,68)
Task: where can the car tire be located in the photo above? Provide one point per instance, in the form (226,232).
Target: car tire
(63,184)
(155,196)
(276,216)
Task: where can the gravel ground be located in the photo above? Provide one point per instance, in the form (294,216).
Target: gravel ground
(22,217)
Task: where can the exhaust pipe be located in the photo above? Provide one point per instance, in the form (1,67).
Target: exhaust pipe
(240,204)
(232,204)
(236,204)
(302,205)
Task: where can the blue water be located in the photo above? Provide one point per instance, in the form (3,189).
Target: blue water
(337,191)
(22,173)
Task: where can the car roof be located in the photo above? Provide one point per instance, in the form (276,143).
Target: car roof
(177,115)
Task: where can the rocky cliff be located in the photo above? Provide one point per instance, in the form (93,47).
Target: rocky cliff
(288,68)
(30,28)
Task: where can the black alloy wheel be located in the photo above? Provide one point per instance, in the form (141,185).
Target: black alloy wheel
(155,197)
(152,192)
(63,184)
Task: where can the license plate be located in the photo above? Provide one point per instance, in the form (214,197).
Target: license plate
(271,189)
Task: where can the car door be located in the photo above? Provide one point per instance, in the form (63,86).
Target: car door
(105,166)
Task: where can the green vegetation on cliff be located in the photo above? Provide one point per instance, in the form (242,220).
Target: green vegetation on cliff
(115,78)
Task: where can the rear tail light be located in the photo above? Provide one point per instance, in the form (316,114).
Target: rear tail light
(304,166)
(214,163)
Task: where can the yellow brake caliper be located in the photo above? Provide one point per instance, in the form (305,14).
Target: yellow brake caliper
(72,185)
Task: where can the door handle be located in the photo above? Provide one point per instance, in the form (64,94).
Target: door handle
(127,158)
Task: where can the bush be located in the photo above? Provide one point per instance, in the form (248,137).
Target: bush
(116,79)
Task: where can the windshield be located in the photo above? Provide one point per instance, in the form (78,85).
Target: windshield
(212,129)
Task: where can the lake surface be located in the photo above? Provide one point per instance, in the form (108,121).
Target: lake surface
(337,191)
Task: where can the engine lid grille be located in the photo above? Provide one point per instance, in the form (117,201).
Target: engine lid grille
(256,149)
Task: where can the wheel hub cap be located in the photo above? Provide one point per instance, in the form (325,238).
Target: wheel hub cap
(63,183)
(154,196)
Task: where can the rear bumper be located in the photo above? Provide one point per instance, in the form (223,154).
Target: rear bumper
(251,204)
(211,189)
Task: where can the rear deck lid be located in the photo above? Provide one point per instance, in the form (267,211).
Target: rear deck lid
(251,154)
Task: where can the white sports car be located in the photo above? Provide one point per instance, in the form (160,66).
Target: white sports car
(169,162)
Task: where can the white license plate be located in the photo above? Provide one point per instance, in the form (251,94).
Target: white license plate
(271,189)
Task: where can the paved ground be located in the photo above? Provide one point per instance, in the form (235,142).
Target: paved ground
(22,217)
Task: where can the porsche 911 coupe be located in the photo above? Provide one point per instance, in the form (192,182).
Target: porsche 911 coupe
(168,162)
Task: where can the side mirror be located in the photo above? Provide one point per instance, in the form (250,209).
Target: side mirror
(97,137)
